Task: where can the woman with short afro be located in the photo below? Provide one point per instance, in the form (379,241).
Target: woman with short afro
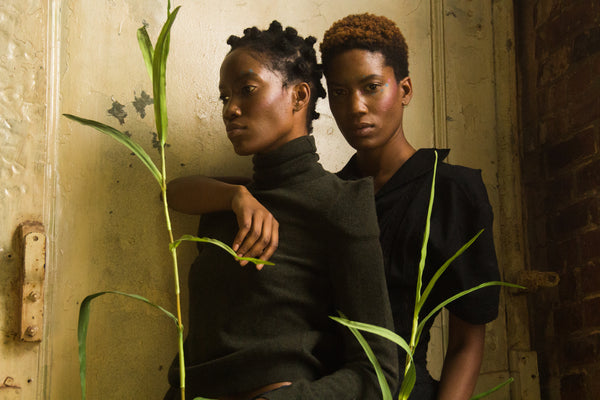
(265,333)
(365,62)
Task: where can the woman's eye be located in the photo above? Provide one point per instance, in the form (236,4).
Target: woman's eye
(248,89)
(337,92)
(373,87)
(223,98)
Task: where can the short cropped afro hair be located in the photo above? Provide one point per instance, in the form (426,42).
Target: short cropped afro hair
(368,32)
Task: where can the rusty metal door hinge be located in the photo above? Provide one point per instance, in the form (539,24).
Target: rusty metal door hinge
(33,250)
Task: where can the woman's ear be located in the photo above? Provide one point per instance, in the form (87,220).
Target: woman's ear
(301,96)
(407,90)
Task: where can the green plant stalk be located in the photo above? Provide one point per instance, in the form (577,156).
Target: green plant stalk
(414,337)
(173,251)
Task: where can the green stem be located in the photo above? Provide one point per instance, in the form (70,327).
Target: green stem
(175,273)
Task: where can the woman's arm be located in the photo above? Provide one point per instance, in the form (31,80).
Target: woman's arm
(258,235)
(463,360)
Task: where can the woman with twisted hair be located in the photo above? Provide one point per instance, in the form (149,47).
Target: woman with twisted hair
(265,333)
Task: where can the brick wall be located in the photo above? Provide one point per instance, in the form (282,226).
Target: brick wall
(558,52)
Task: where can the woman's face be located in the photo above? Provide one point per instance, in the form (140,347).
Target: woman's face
(365,98)
(257,107)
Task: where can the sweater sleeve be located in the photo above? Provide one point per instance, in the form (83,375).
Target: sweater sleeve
(360,292)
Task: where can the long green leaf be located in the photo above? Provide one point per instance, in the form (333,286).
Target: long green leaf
(123,139)
(459,295)
(190,238)
(494,389)
(377,330)
(82,328)
(159,70)
(146,48)
(383,384)
(426,235)
(445,266)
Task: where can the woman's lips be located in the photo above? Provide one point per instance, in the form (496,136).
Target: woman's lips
(362,129)
(234,130)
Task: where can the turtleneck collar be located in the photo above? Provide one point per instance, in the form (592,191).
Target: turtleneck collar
(293,162)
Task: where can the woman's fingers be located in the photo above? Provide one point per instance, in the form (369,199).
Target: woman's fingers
(272,246)
(258,236)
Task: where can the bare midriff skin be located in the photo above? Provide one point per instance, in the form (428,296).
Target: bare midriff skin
(256,392)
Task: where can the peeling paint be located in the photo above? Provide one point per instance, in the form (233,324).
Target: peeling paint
(156,142)
(141,102)
(118,111)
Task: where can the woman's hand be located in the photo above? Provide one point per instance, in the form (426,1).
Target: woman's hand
(258,236)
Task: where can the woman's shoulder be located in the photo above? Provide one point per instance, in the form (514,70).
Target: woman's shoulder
(352,207)
(461,181)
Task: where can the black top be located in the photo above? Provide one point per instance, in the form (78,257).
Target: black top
(461,209)
(251,328)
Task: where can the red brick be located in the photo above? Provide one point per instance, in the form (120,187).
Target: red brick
(584,112)
(538,235)
(574,217)
(544,11)
(554,67)
(550,37)
(530,136)
(568,285)
(568,319)
(577,148)
(582,80)
(589,278)
(554,128)
(578,351)
(580,15)
(593,381)
(573,387)
(591,313)
(532,166)
(590,246)
(559,193)
(556,96)
(588,178)
(539,258)
(534,191)
(595,64)
(563,255)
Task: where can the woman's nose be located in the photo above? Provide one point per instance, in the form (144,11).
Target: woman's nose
(231,109)
(357,103)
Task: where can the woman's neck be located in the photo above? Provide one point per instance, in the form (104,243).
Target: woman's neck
(383,162)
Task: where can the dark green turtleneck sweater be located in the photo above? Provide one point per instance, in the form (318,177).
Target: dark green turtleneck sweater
(251,328)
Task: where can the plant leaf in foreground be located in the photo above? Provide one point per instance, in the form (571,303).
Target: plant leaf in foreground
(383,385)
(82,328)
(146,48)
(159,71)
(461,294)
(190,238)
(123,139)
(492,390)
